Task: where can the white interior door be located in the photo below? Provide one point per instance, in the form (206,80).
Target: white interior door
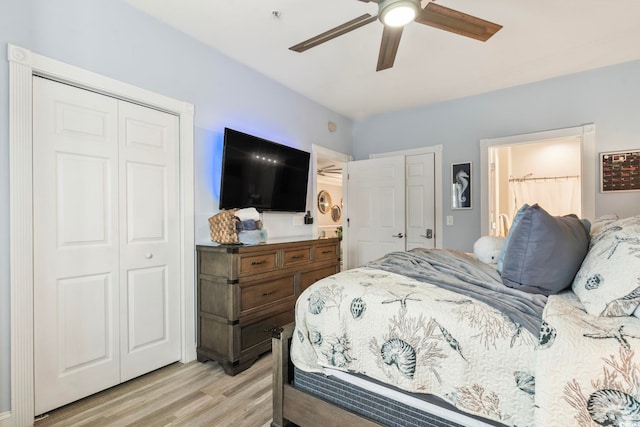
(76,243)
(106,242)
(420,213)
(376,208)
(150,240)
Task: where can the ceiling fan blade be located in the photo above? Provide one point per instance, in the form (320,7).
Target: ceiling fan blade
(334,32)
(389,47)
(453,21)
(371,1)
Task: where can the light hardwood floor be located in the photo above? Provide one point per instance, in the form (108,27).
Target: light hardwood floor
(195,394)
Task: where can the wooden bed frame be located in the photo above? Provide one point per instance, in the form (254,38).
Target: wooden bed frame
(294,406)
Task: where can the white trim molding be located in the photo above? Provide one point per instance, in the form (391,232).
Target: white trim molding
(23,65)
(587,135)
(21,237)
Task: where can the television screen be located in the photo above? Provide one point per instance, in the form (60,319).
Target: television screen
(262,174)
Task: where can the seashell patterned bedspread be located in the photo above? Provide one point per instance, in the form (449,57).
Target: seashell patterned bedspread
(587,367)
(578,370)
(421,338)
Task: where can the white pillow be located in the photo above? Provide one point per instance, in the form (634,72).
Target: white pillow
(601,223)
(608,282)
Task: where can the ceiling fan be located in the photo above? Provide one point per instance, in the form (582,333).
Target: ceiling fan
(330,170)
(394,14)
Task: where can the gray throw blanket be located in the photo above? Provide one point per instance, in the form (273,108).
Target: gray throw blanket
(461,273)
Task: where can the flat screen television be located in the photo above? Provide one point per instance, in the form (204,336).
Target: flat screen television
(262,174)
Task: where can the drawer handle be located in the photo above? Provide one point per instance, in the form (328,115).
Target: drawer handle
(266,294)
(297,257)
(326,252)
(264,261)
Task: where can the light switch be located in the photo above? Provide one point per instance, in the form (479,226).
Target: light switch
(449,219)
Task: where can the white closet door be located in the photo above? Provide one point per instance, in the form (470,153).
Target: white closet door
(376,208)
(150,240)
(76,244)
(421,207)
(107,242)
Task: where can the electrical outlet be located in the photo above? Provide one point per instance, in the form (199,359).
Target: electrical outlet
(449,219)
(297,220)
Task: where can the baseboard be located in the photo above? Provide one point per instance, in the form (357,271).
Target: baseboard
(5,419)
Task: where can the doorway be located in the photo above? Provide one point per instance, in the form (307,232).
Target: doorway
(555,169)
(328,198)
(393,203)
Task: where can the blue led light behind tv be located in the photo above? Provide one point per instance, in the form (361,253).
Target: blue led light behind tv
(262,174)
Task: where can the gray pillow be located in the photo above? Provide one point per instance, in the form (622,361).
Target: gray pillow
(516,220)
(545,252)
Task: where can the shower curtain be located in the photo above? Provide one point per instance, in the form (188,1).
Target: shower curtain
(561,196)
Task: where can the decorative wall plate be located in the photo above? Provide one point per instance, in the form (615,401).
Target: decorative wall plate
(336,213)
(324,201)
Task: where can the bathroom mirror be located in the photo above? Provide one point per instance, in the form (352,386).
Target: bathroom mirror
(324,201)
(336,213)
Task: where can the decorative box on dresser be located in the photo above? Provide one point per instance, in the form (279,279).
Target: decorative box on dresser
(246,291)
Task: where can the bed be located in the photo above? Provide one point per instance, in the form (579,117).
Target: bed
(435,338)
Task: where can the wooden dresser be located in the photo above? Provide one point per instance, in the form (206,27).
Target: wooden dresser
(245,291)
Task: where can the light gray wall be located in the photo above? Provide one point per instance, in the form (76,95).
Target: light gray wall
(113,39)
(608,97)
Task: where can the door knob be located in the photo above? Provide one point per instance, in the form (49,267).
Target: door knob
(399,235)
(148,255)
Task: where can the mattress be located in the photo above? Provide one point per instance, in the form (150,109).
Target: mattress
(382,403)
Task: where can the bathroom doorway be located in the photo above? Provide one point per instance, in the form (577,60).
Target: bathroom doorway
(555,169)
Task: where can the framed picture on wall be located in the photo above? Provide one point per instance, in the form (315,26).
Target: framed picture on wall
(461,185)
(620,171)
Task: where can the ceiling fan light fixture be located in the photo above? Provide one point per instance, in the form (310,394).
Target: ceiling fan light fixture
(398,13)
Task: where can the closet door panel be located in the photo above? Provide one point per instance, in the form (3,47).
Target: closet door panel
(76,243)
(84,343)
(146,199)
(147,311)
(420,183)
(150,244)
(91,224)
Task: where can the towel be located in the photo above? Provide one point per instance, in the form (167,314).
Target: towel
(248,214)
(248,225)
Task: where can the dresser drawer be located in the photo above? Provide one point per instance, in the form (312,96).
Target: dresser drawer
(258,263)
(260,331)
(308,278)
(326,252)
(296,256)
(263,293)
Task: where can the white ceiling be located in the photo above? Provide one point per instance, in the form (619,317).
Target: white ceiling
(540,39)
